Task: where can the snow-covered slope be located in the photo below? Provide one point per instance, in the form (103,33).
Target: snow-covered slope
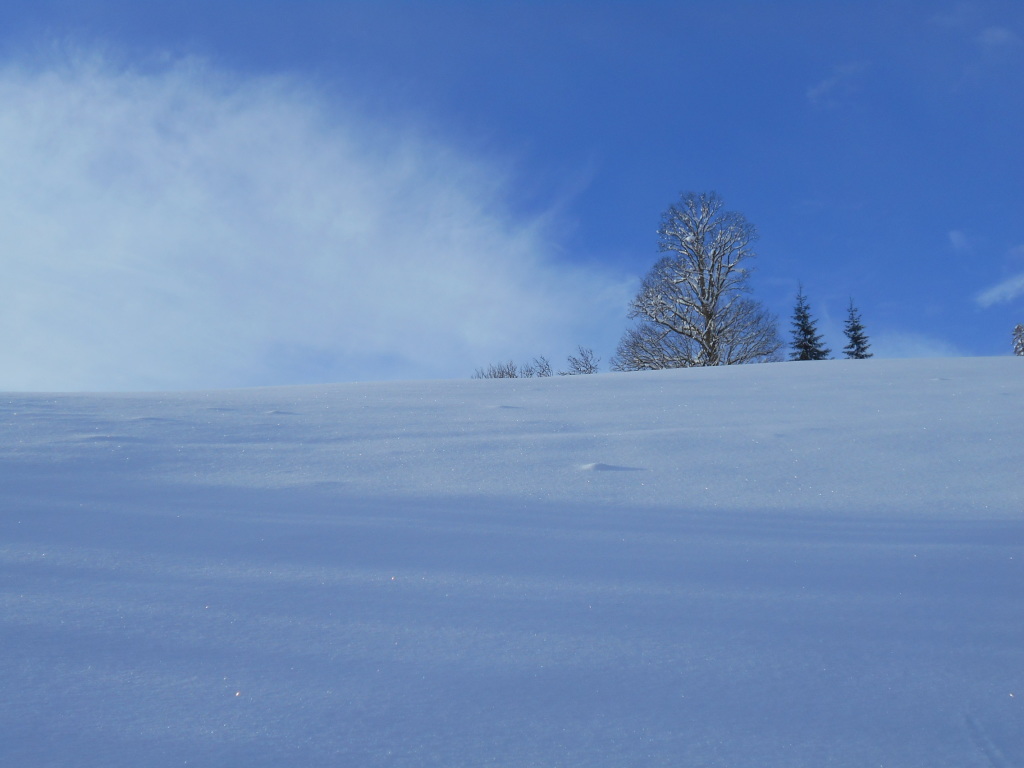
(776,565)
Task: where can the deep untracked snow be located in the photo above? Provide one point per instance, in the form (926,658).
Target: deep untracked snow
(813,564)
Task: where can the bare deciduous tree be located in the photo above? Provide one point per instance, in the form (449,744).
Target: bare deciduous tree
(507,370)
(649,347)
(584,363)
(539,367)
(692,309)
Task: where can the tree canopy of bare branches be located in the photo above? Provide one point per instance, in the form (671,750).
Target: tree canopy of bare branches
(692,308)
(585,362)
(582,364)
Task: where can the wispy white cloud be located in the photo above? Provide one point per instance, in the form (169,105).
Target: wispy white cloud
(1007,289)
(1002,292)
(994,38)
(181,227)
(953,17)
(972,21)
(978,45)
(959,241)
(840,83)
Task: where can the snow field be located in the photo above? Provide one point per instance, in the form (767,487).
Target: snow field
(776,565)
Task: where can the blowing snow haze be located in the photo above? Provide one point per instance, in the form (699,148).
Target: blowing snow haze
(180,226)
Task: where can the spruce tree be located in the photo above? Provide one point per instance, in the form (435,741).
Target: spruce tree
(857,348)
(1018,340)
(807,344)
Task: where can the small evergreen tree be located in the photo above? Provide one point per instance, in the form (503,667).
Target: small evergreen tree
(858,346)
(1018,340)
(807,344)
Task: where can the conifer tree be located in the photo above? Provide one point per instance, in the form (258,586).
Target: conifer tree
(807,344)
(857,348)
(1018,340)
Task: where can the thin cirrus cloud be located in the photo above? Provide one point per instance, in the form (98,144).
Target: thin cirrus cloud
(992,38)
(1002,292)
(182,227)
(959,241)
(1006,290)
(842,82)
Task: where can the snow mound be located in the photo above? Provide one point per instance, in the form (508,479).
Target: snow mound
(600,467)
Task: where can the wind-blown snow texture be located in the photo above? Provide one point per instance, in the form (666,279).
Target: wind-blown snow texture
(800,564)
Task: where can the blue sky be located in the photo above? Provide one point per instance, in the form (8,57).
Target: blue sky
(217,194)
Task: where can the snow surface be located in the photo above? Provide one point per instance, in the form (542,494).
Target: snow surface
(797,564)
